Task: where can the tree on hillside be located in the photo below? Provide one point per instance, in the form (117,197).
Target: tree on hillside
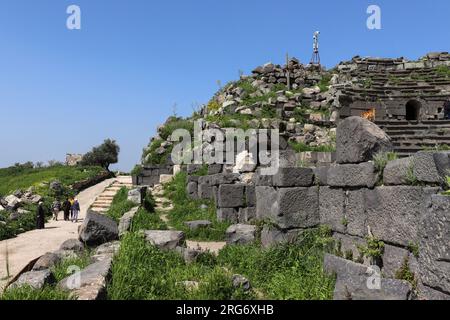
(104,155)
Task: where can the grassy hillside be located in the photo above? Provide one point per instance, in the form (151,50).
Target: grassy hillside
(14,178)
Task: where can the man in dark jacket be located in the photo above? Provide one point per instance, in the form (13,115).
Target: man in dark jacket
(66,206)
(40,216)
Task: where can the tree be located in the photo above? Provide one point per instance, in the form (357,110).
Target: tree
(103,155)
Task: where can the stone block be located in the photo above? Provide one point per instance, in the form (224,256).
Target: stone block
(98,229)
(247,214)
(223,178)
(297,208)
(434,256)
(34,279)
(262,179)
(431,167)
(321,176)
(250,194)
(165,239)
(348,245)
(192,190)
(205,191)
(214,169)
(355,213)
(331,208)
(396,172)
(393,260)
(241,234)
(361,175)
(271,236)
(394,213)
(228,214)
(294,177)
(266,202)
(231,196)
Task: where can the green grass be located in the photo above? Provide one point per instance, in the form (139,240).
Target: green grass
(290,271)
(13,178)
(61,270)
(23,177)
(143,272)
(302,147)
(120,205)
(50,292)
(186,209)
(28,293)
(144,220)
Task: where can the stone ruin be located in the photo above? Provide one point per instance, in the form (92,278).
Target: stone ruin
(73,159)
(400,205)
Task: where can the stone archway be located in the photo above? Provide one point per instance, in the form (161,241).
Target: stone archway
(413,110)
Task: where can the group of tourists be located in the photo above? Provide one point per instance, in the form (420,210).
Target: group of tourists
(70,207)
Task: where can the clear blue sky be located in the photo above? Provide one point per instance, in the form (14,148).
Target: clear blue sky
(119,76)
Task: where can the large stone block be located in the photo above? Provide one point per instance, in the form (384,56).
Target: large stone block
(231,196)
(271,236)
(354,282)
(263,179)
(393,213)
(214,169)
(192,190)
(126,221)
(247,214)
(35,279)
(393,260)
(266,202)
(228,214)
(294,177)
(297,208)
(431,167)
(355,213)
(358,140)
(165,239)
(396,172)
(241,234)
(205,191)
(434,256)
(250,194)
(223,178)
(331,208)
(352,175)
(349,245)
(98,229)
(47,261)
(321,176)
(89,283)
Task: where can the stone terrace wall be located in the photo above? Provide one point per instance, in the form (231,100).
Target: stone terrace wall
(400,206)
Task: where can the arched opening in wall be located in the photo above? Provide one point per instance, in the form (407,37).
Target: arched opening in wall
(413,110)
(446,110)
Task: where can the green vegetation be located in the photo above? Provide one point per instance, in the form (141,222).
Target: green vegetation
(324,83)
(438,147)
(414,249)
(411,177)
(120,205)
(302,147)
(30,294)
(374,248)
(236,120)
(50,292)
(160,274)
(443,71)
(104,155)
(137,170)
(186,209)
(151,155)
(381,160)
(405,273)
(173,124)
(18,177)
(22,177)
(145,220)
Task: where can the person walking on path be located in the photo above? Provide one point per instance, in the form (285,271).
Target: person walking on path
(40,216)
(56,207)
(75,210)
(66,206)
(71,200)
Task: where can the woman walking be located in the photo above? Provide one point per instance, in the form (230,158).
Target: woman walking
(75,210)
(40,216)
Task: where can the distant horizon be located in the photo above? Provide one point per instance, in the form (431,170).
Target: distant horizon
(119,76)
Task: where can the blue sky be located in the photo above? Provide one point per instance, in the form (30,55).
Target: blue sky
(120,75)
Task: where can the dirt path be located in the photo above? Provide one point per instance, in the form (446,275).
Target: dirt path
(33,244)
